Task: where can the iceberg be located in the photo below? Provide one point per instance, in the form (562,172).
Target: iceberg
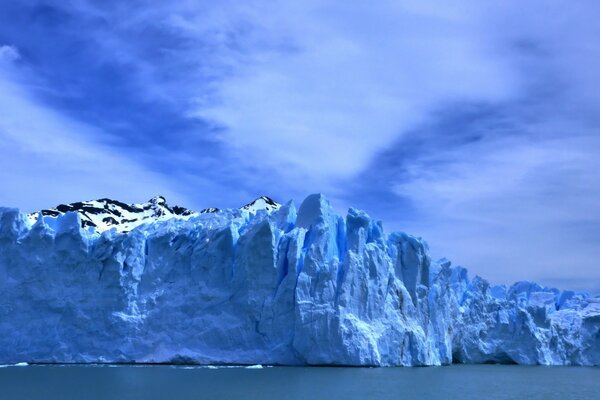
(263,285)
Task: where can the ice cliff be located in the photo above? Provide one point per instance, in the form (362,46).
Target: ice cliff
(264,284)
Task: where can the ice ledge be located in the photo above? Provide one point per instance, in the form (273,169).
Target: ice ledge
(269,287)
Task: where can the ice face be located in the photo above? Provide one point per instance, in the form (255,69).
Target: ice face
(267,284)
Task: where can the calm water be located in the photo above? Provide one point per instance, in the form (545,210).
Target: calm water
(166,382)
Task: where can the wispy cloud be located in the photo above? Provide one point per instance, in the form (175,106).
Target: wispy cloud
(357,78)
(8,53)
(510,188)
(48,158)
(512,209)
(285,87)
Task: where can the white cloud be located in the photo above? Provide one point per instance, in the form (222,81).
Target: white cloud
(355,78)
(514,208)
(49,159)
(304,91)
(525,206)
(9,53)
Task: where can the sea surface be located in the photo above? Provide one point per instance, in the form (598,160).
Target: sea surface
(124,382)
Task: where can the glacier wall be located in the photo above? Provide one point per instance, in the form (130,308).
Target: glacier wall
(285,287)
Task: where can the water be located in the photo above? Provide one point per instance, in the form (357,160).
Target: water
(168,382)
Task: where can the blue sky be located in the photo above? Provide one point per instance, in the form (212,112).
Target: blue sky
(476,126)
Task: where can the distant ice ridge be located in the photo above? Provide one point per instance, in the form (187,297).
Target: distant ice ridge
(101,215)
(265,284)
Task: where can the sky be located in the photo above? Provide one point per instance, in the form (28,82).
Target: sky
(472,124)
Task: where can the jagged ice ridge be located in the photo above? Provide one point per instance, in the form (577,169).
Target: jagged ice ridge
(264,284)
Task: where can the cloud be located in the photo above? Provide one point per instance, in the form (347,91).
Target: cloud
(507,187)
(513,209)
(357,77)
(299,94)
(9,53)
(49,159)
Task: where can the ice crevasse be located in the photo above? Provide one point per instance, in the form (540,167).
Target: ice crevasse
(268,286)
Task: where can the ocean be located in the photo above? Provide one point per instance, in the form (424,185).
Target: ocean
(125,382)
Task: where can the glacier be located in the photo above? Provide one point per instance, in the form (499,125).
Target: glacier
(267,285)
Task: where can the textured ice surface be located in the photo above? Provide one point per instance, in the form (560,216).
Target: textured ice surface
(268,285)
